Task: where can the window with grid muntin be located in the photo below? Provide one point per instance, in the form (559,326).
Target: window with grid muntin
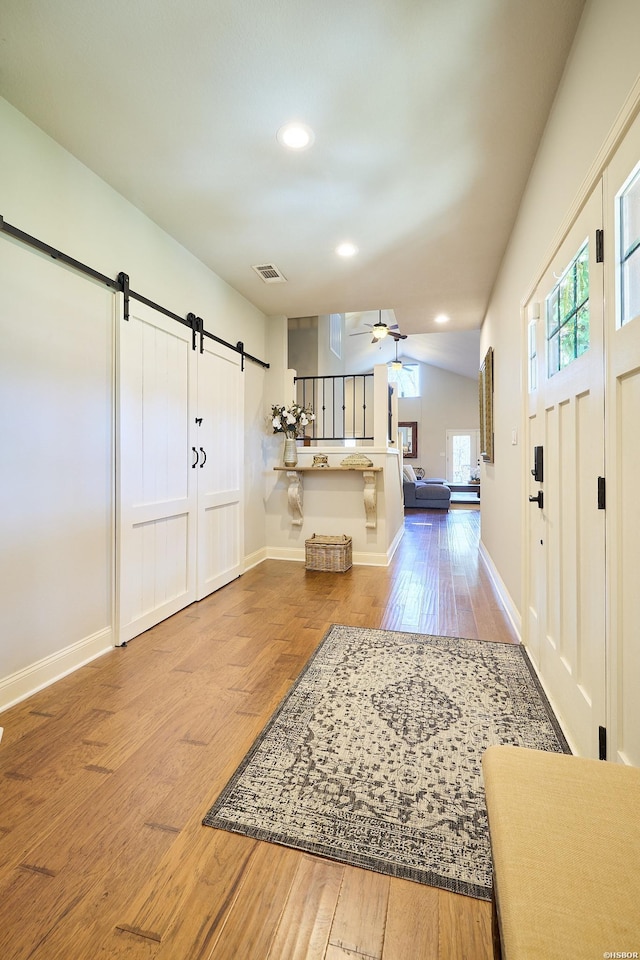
(629,253)
(567,309)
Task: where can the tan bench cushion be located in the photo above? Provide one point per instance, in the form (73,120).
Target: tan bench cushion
(565,839)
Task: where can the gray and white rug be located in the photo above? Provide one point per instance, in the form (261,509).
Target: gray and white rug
(373,758)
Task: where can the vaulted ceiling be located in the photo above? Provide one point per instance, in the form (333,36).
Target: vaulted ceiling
(426,117)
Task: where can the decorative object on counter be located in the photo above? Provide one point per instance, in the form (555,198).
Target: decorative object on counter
(356,460)
(290,455)
(291,421)
(320,460)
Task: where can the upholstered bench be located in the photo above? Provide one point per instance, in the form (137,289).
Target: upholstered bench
(565,840)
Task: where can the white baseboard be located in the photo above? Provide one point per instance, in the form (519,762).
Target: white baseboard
(285,553)
(396,543)
(359,558)
(554,706)
(22,684)
(254,559)
(511,610)
(371,559)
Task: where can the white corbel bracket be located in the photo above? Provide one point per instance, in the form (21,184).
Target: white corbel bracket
(370,499)
(295,497)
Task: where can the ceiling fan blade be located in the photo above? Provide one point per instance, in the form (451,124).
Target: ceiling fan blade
(359,333)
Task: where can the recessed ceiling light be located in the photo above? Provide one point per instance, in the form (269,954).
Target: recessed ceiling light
(442,318)
(295,136)
(346,249)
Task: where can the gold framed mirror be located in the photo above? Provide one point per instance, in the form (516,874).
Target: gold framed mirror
(485,396)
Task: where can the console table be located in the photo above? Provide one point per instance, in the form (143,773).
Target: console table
(295,492)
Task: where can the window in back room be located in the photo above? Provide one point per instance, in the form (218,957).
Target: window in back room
(407,379)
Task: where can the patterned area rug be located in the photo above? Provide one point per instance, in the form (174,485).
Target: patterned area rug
(373,758)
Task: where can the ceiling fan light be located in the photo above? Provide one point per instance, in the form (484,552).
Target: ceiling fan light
(346,249)
(396,364)
(379,330)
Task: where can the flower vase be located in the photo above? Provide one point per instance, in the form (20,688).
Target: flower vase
(290,452)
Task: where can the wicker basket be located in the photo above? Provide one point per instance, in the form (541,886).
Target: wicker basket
(331,554)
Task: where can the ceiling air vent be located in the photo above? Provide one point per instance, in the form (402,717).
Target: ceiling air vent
(269,273)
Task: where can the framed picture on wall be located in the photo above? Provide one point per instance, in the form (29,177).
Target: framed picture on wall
(485,397)
(408,431)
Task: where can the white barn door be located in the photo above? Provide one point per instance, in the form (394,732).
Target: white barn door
(565,625)
(157,486)
(220,447)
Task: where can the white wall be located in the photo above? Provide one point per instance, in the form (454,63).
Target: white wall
(328,363)
(447,402)
(600,73)
(56,328)
(303,345)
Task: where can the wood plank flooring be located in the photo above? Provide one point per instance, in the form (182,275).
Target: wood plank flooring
(105,777)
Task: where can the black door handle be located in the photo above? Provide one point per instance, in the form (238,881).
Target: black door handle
(195,462)
(204,457)
(539,499)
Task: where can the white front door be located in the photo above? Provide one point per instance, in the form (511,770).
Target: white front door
(565,624)
(622,265)
(463,452)
(219,441)
(157,486)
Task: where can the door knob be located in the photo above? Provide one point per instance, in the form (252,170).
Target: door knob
(539,499)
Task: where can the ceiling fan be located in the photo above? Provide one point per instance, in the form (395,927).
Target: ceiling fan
(380,330)
(397,363)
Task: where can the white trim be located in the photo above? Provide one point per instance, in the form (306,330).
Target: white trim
(255,558)
(359,559)
(22,684)
(335,333)
(499,585)
(564,726)
(396,543)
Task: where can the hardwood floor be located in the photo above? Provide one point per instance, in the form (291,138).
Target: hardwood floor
(106,775)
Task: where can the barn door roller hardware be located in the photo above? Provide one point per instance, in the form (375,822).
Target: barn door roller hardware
(122,284)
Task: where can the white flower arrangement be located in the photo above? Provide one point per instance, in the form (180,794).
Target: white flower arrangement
(290,420)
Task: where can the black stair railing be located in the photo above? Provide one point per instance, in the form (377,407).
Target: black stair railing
(343,406)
